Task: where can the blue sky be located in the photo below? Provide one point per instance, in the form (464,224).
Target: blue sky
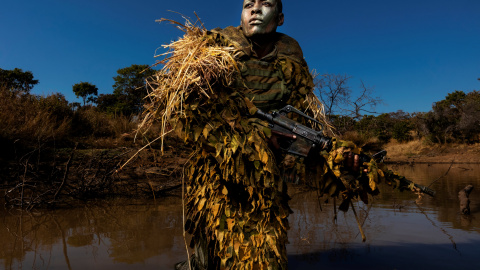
(412,52)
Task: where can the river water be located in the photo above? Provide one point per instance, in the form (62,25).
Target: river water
(402,231)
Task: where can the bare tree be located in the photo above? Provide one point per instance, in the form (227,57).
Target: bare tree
(337,98)
(333,91)
(365,103)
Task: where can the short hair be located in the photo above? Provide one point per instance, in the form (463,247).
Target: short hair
(279,6)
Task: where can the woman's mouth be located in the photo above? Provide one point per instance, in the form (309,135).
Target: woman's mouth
(255,21)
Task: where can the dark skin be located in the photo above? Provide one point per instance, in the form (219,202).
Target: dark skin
(259,21)
(352,162)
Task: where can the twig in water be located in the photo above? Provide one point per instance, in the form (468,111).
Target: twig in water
(367,213)
(364,238)
(445,174)
(65,175)
(441,229)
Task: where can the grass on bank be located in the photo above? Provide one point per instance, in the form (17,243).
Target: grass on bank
(29,120)
(422,151)
(52,152)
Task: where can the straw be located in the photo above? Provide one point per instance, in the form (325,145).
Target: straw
(190,65)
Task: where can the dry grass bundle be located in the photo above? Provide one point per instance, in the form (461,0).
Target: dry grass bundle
(315,106)
(191,65)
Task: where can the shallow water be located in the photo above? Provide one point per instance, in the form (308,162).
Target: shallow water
(401,234)
(132,234)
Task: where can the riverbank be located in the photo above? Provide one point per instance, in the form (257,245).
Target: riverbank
(57,177)
(421,152)
(60,176)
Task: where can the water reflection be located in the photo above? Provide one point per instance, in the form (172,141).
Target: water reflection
(131,234)
(401,234)
(448,181)
(99,235)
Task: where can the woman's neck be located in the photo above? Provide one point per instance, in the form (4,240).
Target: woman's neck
(263,45)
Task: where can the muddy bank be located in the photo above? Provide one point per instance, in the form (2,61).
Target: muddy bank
(420,152)
(47,177)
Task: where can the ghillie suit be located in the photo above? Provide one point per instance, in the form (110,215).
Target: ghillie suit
(236,201)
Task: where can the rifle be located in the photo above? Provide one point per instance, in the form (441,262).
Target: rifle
(300,140)
(378,157)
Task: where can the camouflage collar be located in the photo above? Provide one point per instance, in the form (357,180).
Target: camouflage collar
(285,46)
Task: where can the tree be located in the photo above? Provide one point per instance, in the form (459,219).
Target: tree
(108,103)
(17,81)
(469,122)
(129,88)
(401,126)
(333,91)
(456,118)
(337,98)
(56,104)
(85,90)
(364,101)
(375,126)
(442,120)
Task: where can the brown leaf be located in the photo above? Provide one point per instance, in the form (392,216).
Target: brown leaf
(201,203)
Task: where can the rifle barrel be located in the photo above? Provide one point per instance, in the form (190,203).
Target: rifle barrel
(423,189)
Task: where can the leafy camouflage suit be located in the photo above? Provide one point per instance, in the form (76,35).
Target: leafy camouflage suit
(237,205)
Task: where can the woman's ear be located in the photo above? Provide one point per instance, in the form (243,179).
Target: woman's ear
(281,18)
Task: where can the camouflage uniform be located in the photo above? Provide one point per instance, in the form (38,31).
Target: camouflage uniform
(237,204)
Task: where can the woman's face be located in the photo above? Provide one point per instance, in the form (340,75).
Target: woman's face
(260,17)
